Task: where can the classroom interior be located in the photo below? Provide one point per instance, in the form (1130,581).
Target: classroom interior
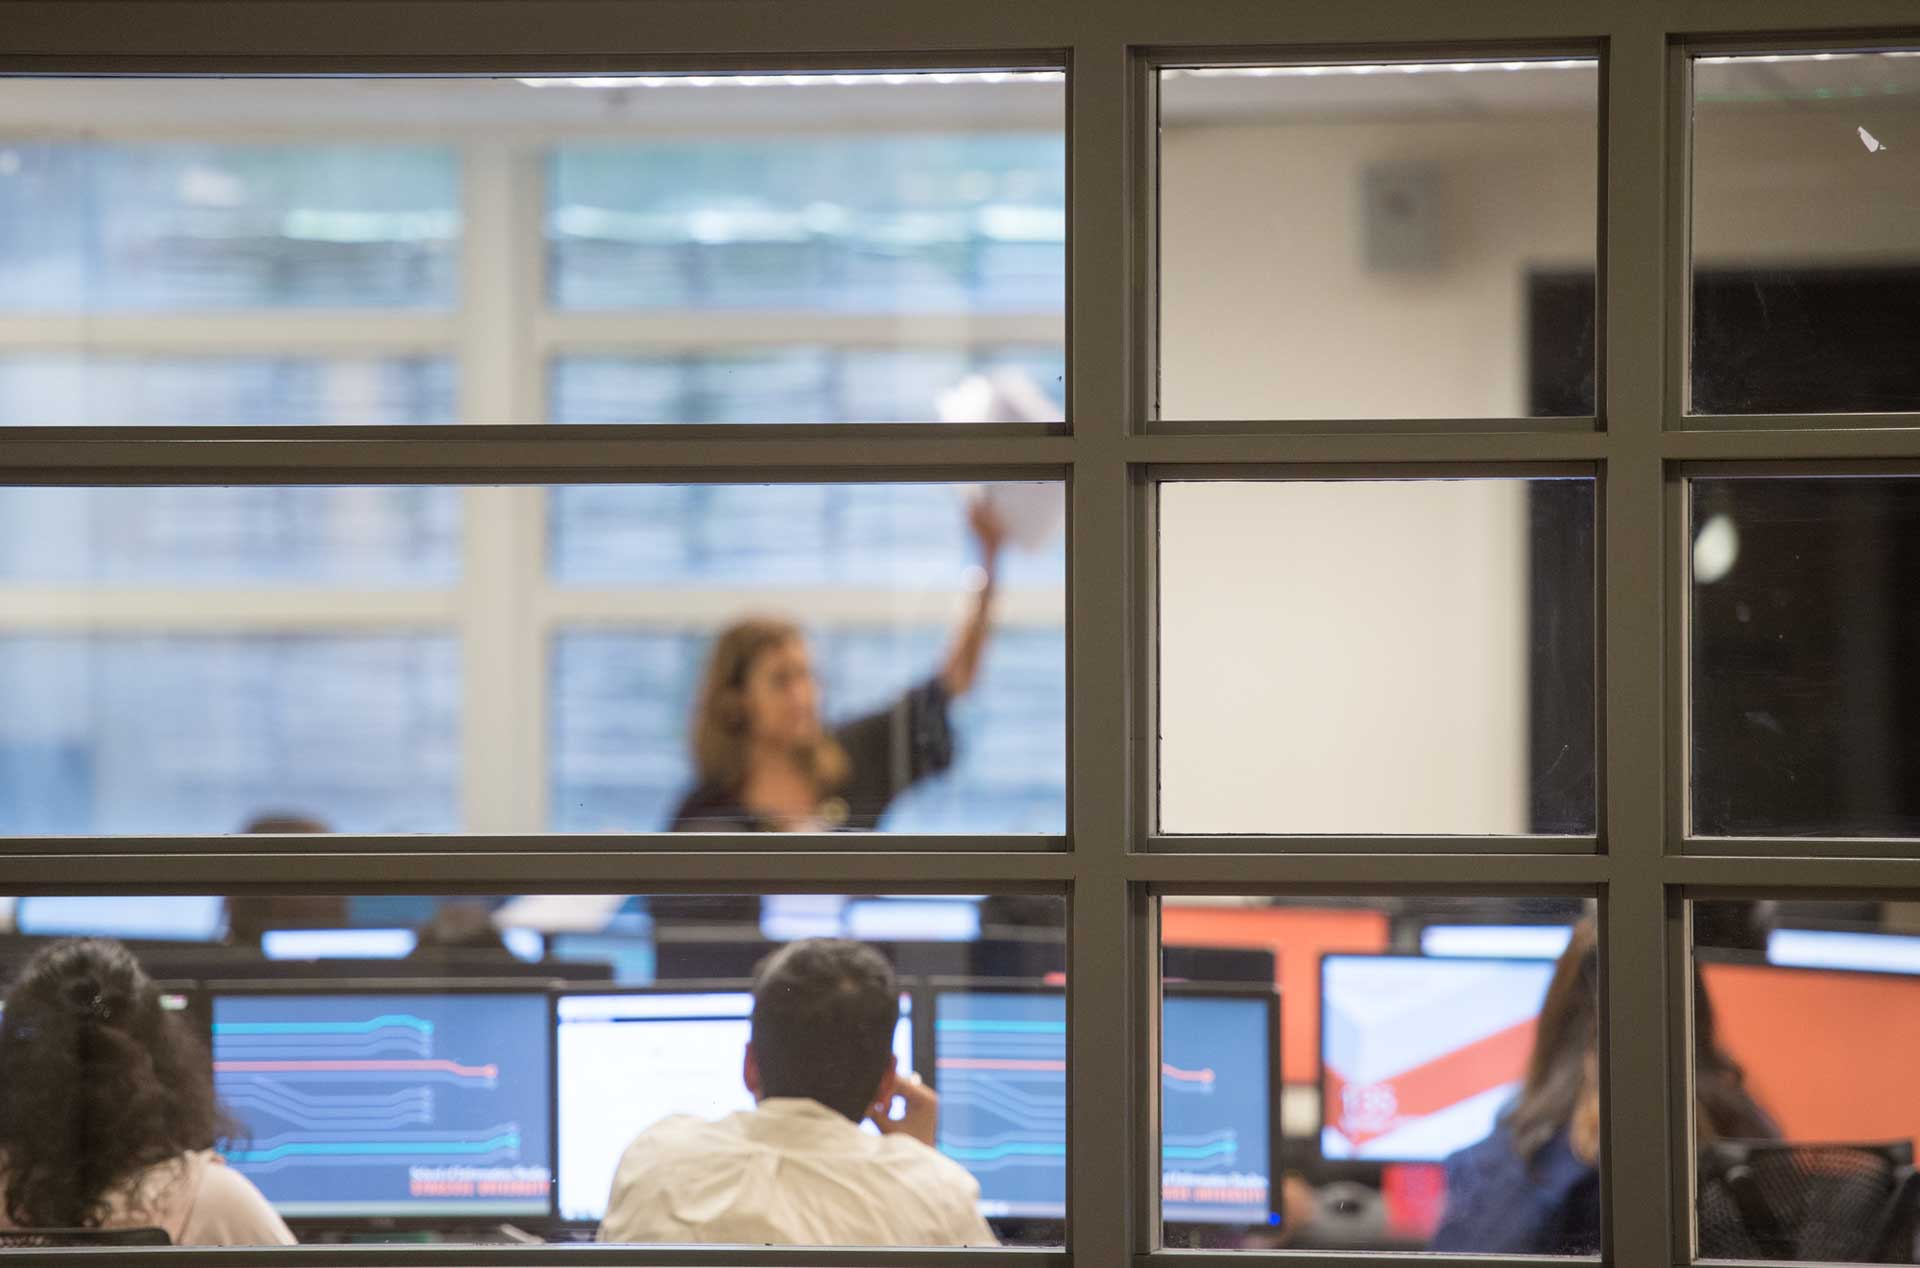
(1409,657)
(1321,1059)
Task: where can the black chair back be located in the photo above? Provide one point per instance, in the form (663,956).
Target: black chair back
(1781,1200)
(48,1238)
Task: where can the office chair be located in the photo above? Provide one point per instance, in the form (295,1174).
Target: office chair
(46,1238)
(1779,1200)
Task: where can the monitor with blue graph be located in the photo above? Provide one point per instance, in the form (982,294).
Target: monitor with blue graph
(1000,1059)
(389,1105)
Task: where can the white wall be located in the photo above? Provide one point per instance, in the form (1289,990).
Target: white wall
(1352,658)
(1343,657)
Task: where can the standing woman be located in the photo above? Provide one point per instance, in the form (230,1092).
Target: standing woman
(107,1112)
(766,763)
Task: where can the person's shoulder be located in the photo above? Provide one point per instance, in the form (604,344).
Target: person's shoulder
(229,1210)
(928,1164)
(676,1134)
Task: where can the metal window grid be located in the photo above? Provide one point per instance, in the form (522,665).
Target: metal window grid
(1111,865)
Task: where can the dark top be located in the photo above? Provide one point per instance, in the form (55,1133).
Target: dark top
(887,752)
(1499,1203)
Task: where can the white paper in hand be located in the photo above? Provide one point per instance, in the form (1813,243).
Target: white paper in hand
(1031,513)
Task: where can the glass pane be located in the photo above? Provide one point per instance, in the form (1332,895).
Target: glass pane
(810,384)
(1802,715)
(809,247)
(1358,241)
(133,733)
(1806,256)
(866,575)
(939,193)
(91,222)
(1380,1074)
(1359,657)
(427,1068)
(1803,1014)
(371,537)
(375,659)
(90,390)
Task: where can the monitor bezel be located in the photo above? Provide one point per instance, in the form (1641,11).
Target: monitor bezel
(544,991)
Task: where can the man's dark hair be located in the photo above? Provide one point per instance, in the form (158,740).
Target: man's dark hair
(824,1011)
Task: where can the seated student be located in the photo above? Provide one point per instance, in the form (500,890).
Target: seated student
(798,1170)
(1533,1186)
(107,1113)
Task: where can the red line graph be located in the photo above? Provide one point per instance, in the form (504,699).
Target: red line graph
(1175,1073)
(308,1067)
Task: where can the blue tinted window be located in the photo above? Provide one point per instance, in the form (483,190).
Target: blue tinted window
(199,733)
(92,390)
(189,225)
(149,536)
(901,536)
(913,221)
(806,384)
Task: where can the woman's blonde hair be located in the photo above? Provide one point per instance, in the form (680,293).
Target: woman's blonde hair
(719,729)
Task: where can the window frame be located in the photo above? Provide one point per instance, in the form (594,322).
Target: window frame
(1642,866)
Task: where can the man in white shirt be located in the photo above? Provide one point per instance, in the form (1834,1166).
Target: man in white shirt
(797,1170)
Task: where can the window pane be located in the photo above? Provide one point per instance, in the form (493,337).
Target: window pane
(1803,715)
(376,537)
(105,225)
(812,384)
(202,732)
(868,576)
(905,193)
(448,1064)
(1803,1013)
(1349,241)
(1380,1074)
(1401,657)
(1806,257)
(79,389)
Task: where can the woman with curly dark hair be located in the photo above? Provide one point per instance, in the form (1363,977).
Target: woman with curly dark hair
(107,1112)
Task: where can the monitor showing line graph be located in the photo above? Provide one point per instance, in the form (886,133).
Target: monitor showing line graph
(1000,1065)
(1216,1108)
(388,1105)
(690,1044)
(1418,1055)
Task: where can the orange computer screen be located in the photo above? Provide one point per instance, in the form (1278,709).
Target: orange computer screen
(1829,1054)
(1298,937)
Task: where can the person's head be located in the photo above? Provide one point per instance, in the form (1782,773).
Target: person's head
(1562,1088)
(283,822)
(97,1082)
(824,1012)
(459,926)
(759,695)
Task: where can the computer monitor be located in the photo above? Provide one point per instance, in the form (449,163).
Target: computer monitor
(1496,942)
(999,1062)
(154,917)
(1826,1052)
(1844,949)
(687,1047)
(1418,1054)
(933,918)
(389,1105)
(338,944)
